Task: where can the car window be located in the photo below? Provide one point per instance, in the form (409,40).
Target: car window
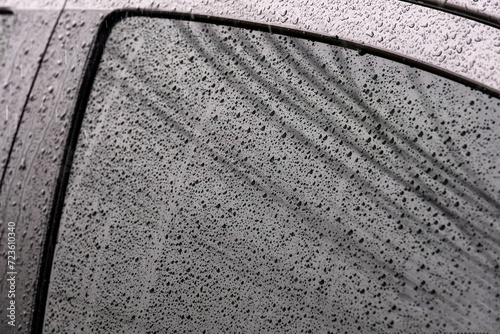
(230,180)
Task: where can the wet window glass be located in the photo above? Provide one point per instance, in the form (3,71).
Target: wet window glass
(229,180)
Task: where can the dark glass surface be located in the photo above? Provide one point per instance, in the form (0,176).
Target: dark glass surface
(228,180)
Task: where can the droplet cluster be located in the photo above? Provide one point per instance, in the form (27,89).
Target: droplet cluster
(433,36)
(5,27)
(228,180)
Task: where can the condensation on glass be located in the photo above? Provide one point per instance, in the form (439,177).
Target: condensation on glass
(228,180)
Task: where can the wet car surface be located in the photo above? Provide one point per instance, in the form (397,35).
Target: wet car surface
(255,179)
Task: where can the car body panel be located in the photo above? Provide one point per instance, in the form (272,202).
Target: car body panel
(28,188)
(30,33)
